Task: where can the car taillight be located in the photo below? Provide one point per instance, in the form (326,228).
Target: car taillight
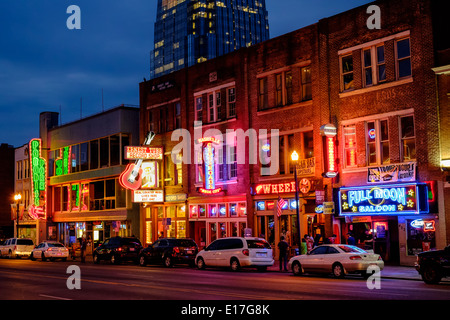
(15,248)
(379,258)
(176,250)
(119,249)
(49,249)
(355,258)
(246,252)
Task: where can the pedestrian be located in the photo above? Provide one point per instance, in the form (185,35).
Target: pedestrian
(350,240)
(283,249)
(83,249)
(309,242)
(317,239)
(304,246)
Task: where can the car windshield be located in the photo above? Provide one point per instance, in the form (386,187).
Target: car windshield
(55,244)
(258,244)
(25,242)
(351,249)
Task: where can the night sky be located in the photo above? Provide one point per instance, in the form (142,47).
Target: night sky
(44,66)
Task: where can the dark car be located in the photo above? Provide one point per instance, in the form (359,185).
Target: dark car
(170,251)
(118,249)
(434,265)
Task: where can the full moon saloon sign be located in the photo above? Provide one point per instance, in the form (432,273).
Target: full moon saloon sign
(393,199)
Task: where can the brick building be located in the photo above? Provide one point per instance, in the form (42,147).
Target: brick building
(377,87)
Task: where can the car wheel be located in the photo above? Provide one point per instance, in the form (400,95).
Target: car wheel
(431,275)
(43,257)
(234,264)
(338,270)
(95,258)
(32,258)
(10,254)
(168,261)
(297,268)
(201,263)
(142,261)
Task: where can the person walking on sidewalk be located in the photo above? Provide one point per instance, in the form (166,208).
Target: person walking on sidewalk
(283,248)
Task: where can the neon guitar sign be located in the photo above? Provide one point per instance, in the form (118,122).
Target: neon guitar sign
(131,177)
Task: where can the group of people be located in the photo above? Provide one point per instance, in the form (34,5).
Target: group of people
(308,243)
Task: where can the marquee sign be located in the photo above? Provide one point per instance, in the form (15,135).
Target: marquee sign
(392,199)
(328,133)
(145,153)
(140,196)
(209,166)
(38,166)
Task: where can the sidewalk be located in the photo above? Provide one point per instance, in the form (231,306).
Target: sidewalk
(389,272)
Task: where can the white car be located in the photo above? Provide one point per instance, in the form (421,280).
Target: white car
(236,252)
(339,259)
(16,248)
(50,250)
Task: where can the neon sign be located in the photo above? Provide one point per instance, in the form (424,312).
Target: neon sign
(426,225)
(63,163)
(209,166)
(275,188)
(384,200)
(329,132)
(146,153)
(38,181)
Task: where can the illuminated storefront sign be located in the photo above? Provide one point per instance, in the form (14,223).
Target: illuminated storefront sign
(426,225)
(148,196)
(38,166)
(275,188)
(209,166)
(63,163)
(149,175)
(145,153)
(328,133)
(384,199)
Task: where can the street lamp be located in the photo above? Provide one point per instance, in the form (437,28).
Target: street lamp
(294,158)
(17,198)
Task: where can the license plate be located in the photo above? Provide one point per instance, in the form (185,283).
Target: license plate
(131,249)
(189,251)
(261,254)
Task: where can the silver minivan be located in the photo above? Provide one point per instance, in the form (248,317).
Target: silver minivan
(236,253)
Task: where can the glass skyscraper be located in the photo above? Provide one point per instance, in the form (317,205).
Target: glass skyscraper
(192,31)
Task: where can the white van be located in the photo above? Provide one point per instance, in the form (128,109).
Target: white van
(17,248)
(236,252)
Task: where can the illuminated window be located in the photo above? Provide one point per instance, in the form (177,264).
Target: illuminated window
(403,55)
(347,73)
(350,146)
(231,102)
(263,98)
(377,137)
(306,83)
(408,138)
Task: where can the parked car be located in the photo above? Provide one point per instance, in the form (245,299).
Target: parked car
(339,259)
(170,251)
(236,252)
(50,250)
(118,249)
(434,265)
(17,248)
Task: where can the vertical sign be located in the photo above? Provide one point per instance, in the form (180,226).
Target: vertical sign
(328,132)
(38,180)
(209,166)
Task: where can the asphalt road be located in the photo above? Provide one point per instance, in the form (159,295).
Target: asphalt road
(36,280)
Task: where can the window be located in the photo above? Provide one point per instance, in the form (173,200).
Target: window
(350,146)
(286,147)
(306,83)
(115,149)
(381,64)
(263,99)
(214,106)
(199,109)
(279,89)
(288,86)
(347,73)
(84,156)
(151,123)
(231,102)
(367,64)
(93,154)
(408,138)
(104,152)
(377,142)
(403,52)
(177,115)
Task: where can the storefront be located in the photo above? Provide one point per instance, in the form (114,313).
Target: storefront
(211,218)
(271,224)
(166,219)
(397,221)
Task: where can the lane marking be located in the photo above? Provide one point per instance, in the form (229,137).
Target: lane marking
(53,297)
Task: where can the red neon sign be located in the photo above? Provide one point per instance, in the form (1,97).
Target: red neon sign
(330,157)
(275,188)
(209,191)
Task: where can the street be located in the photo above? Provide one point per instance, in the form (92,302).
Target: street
(36,280)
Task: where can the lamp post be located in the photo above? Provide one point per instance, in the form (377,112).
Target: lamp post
(17,198)
(294,158)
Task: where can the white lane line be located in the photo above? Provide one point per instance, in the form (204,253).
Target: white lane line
(53,297)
